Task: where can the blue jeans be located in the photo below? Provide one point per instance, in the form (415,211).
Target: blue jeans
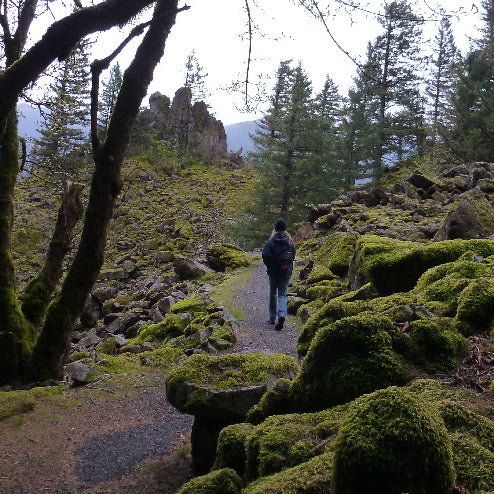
(277,297)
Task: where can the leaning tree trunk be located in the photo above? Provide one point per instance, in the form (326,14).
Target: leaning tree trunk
(54,341)
(38,292)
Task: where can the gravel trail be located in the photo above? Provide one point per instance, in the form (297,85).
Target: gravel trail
(257,334)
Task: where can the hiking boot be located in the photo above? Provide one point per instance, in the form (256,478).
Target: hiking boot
(279,324)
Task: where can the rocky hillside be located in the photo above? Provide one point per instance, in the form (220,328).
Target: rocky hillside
(395,299)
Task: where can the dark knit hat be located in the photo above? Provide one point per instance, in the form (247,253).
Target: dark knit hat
(280,225)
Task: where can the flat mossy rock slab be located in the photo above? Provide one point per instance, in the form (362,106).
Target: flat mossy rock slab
(226,387)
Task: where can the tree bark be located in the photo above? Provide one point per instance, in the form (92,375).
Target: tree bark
(54,341)
(38,292)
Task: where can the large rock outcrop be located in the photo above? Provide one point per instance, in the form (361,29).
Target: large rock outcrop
(183,125)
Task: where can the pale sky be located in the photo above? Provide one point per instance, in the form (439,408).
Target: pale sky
(214,29)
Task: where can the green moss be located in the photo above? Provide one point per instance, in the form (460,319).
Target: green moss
(346,359)
(223,257)
(395,266)
(230,370)
(392,443)
(336,251)
(191,304)
(284,441)
(231,449)
(476,306)
(473,462)
(325,291)
(436,348)
(224,481)
(14,403)
(320,273)
(310,477)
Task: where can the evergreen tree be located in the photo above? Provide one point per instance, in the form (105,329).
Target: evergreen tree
(442,78)
(324,164)
(298,152)
(472,134)
(63,144)
(109,95)
(390,81)
(195,78)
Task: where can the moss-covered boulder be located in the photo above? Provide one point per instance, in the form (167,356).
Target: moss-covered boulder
(223,257)
(219,391)
(311,477)
(226,386)
(224,481)
(470,216)
(284,441)
(352,356)
(395,266)
(231,449)
(392,443)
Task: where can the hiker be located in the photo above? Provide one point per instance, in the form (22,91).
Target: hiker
(278,256)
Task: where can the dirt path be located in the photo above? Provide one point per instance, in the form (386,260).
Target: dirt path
(258,335)
(123,438)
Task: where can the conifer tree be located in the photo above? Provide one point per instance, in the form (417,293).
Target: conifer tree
(441,79)
(63,144)
(390,81)
(195,78)
(109,95)
(472,100)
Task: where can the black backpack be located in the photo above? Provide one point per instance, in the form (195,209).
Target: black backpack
(282,259)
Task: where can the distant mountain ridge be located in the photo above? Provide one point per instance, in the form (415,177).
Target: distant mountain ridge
(238,136)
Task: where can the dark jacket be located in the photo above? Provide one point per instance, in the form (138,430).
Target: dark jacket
(278,255)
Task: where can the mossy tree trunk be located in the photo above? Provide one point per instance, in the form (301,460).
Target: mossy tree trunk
(54,341)
(23,355)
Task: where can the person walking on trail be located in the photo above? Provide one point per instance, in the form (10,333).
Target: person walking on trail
(278,255)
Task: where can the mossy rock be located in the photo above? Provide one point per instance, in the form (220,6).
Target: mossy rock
(192,304)
(350,357)
(474,463)
(226,386)
(223,257)
(231,449)
(392,443)
(475,311)
(436,347)
(310,477)
(320,273)
(284,441)
(336,252)
(395,266)
(224,481)
(446,282)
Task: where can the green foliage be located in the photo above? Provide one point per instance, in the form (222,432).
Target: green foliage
(63,146)
(391,442)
